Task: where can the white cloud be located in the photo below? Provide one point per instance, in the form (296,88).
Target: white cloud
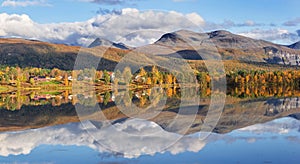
(20,3)
(279,126)
(131,138)
(278,35)
(112,138)
(115,27)
(130,26)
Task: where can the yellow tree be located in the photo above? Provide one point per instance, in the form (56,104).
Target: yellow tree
(155,75)
(19,77)
(169,79)
(66,80)
(99,75)
(142,73)
(247,78)
(148,81)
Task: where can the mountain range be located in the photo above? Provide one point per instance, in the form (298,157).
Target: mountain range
(189,45)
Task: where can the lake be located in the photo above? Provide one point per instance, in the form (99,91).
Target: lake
(153,125)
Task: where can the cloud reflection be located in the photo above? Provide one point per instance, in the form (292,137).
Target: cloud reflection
(23,142)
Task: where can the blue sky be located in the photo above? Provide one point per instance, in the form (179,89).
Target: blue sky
(255,18)
(275,11)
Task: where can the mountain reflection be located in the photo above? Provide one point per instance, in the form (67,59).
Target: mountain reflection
(23,142)
(26,110)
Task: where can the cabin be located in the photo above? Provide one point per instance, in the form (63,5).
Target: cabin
(40,78)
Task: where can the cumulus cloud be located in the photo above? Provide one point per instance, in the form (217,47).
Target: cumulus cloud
(130,26)
(279,126)
(113,26)
(274,35)
(131,139)
(18,3)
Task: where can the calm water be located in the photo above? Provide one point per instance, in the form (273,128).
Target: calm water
(46,128)
(276,141)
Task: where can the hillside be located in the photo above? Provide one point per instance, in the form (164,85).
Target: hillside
(229,46)
(32,53)
(233,48)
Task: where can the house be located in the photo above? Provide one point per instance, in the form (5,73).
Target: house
(70,78)
(40,78)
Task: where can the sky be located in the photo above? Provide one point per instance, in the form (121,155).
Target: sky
(138,22)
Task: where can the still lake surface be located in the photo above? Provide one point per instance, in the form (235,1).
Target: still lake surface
(53,128)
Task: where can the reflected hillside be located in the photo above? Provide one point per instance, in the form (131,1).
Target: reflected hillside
(244,106)
(141,97)
(21,143)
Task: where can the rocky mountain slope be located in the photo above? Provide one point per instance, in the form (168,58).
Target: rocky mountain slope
(189,45)
(229,46)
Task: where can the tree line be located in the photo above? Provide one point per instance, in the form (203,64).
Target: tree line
(31,76)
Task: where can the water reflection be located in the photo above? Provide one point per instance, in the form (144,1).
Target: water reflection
(250,116)
(140,97)
(24,142)
(38,109)
(276,106)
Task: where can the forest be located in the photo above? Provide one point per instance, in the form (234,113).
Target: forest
(33,78)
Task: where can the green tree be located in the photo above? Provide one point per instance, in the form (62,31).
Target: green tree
(106,77)
(31,81)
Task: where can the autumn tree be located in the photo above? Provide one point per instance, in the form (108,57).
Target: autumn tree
(66,80)
(155,75)
(106,77)
(169,79)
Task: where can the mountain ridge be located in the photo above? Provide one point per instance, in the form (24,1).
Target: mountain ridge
(107,43)
(295,45)
(24,52)
(229,46)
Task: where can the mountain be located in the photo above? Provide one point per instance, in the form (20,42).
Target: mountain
(230,46)
(107,43)
(220,39)
(295,45)
(32,53)
(244,51)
